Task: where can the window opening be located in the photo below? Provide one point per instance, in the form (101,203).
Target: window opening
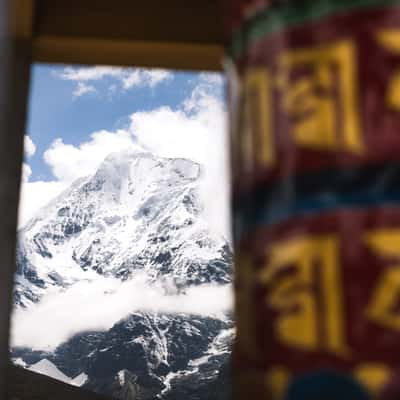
(124,260)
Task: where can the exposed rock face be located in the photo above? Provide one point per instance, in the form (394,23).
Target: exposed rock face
(137,214)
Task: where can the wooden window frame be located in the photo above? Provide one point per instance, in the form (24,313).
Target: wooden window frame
(173,34)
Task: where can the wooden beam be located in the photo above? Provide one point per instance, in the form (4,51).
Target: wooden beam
(156,20)
(177,34)
(125,53)
(24,17)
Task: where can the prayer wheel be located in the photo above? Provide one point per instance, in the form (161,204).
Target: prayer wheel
(314,102)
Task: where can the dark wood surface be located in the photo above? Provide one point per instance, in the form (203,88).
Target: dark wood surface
(14,81)
(27,385)
(155,33)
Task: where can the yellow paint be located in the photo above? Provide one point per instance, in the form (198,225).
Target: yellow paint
(390,40)
(373,376)
(277,379)
(385,242)
(381,308)
(258,105)
(307,319)
(310,99)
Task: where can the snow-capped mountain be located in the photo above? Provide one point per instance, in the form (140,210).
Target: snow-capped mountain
(137,214)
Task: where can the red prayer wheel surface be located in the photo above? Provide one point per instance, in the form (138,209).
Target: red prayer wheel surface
(314,97)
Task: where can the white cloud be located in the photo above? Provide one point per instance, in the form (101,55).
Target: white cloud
(212,78)
(156,76)
(54,320)
(84,74)
(35,195)
(126,78)
(29,146)
(197,130)
(150,78)
(68,162)
(26,172)
(29,151)
(83,88)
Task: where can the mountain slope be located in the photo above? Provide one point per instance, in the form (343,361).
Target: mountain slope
(138,214)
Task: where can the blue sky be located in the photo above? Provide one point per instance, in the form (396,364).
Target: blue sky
(78,114)
(54,111)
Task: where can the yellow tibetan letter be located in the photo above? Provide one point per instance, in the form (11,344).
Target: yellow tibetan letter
(303,286)
(382,307)
(319,94)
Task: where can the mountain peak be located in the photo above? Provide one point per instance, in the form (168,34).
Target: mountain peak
(138,212)
(132,170)
(121,161)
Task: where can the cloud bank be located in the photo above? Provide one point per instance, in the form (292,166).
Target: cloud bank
(68,162)
(98,306)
